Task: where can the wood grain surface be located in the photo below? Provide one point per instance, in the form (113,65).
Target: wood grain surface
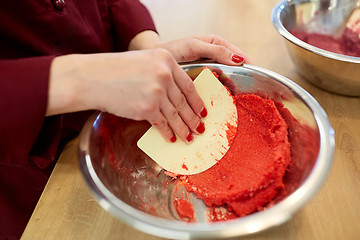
(67,209)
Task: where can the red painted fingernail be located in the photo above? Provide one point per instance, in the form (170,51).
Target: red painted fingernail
(237,59)
(203,112)
(173,139)
(200,127)
(189,137)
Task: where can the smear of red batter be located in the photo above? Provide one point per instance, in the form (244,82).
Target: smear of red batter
(251,173)
(184,209)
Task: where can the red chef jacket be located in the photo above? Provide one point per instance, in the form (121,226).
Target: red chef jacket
(32,33)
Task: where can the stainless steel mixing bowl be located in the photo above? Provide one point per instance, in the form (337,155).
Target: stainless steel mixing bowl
(135,189)
(330,71)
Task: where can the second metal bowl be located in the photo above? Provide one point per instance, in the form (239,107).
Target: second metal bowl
(330,71)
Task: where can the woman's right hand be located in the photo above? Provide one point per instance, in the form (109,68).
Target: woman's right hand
(140,85)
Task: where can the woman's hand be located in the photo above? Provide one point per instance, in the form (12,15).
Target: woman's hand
(211,47)
(140,85)
(193,48)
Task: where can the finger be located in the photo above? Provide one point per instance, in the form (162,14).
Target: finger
(187,114)
(175,121)
(187,88)
(218,41)
(219,53)
(161,124)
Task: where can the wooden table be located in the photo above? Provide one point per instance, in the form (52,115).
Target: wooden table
(67,210)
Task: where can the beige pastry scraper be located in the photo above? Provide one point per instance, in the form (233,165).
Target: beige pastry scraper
(206,149)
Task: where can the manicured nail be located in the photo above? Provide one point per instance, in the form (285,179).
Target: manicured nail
(189,137)
(173,139)
(237,59)
(200,128)
(203,112)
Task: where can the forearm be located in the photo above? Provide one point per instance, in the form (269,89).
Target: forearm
(81,82)
(145,40)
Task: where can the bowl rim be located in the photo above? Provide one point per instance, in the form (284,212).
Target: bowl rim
(275,18)
(252,223)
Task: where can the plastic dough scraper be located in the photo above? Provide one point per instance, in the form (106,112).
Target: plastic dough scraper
(206,149)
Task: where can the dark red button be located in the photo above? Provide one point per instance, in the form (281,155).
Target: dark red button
(59,5)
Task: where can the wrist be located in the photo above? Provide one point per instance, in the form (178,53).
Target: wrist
(63,86)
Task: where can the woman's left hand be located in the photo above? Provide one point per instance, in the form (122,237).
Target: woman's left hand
(194,48)
(205,47)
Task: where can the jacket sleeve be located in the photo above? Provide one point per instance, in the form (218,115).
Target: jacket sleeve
(23,102)
(128,18)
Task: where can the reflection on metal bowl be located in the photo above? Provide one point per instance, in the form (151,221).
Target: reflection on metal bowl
(135,189)
(330,71)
